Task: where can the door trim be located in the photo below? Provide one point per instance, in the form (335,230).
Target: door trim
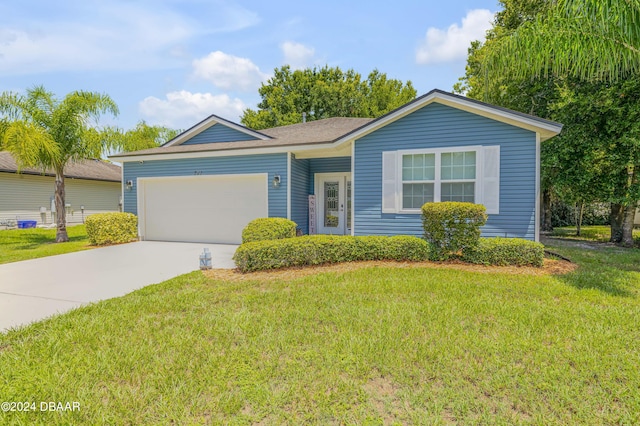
(345,176)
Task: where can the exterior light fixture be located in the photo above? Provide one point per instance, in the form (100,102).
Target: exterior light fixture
(129,184)
(276,181)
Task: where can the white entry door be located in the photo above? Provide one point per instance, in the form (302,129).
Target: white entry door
(334,203)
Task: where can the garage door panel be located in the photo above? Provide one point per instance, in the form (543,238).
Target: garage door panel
(211,209)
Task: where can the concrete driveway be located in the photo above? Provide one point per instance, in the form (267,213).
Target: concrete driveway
(32,290)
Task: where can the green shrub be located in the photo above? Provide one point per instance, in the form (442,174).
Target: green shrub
(111,228)
(506,251)
(319,249)
(452,228)
(268,228)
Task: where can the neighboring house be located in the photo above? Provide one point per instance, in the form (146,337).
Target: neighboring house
(365,176)
(91,186)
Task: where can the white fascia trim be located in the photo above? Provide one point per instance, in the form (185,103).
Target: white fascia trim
(209,122)
(289,185)
(122,186)
(537,201)
(353,186)
(546,130)
(225,153)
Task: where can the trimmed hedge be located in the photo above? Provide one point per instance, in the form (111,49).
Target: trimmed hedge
(319,249)
(506,251)
(452,228)
(268,228)
(111,228)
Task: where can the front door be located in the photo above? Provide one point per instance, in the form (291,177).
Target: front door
(334,203)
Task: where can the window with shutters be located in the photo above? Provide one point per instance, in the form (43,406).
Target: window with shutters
(466,174)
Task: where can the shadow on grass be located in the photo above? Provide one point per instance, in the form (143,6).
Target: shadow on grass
(610,281)
(29,240)
(612,270)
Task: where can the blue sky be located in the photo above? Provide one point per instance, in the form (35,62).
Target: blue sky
(173,62)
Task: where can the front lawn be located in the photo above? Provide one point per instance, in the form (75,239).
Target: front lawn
(370,346)
(23,244)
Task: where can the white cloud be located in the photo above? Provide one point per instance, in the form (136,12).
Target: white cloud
(452,44)
(117,35)
(297,55)
(183,109)
(229,72)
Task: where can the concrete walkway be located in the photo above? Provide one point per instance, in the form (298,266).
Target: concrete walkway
(32,290)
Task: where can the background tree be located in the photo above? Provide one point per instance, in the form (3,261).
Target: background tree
(143,136)
(42,131)
(591,41)
(323,93)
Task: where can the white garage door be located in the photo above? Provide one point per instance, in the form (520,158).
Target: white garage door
(206,209)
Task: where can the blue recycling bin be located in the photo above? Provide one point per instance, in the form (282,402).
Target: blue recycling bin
(22,224)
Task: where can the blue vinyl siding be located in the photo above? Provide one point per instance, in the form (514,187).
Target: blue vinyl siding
(327,165)
(273,164)
(439,126)
(300,193)
(219,133)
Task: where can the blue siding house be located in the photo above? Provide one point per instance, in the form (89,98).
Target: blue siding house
(355,176)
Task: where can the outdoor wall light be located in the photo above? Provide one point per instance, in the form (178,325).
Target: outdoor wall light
(129,184)
(276,181)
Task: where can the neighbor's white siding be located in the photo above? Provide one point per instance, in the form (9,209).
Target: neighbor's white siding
(21,197)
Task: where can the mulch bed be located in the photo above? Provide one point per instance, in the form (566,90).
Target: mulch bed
(551,267)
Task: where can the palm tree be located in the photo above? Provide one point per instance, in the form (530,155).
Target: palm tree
(42,131)
(586,39)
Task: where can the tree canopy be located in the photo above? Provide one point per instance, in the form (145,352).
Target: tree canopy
(325,92)
(585,39)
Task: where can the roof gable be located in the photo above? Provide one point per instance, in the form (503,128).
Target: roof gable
(545,128)
(214,129)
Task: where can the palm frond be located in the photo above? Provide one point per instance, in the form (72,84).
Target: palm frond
(30,145)
(587,39)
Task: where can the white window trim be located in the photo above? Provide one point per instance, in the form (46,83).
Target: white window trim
(478,149)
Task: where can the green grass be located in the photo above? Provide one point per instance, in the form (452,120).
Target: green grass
(372,346)
(23,244)
(590,233)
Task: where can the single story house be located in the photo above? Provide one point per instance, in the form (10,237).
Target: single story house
(355,176)
(91,186)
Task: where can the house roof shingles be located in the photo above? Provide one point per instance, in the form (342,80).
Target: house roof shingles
(85,169)
(311,132)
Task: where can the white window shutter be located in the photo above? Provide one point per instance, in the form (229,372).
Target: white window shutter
(491,179)
(389,185)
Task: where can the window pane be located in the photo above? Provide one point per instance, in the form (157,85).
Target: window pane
(462,192)
(458,158)
(469,158)
(407,167)
(458,165)
(470,172)
(414,195)
(418,167)
(445,172)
